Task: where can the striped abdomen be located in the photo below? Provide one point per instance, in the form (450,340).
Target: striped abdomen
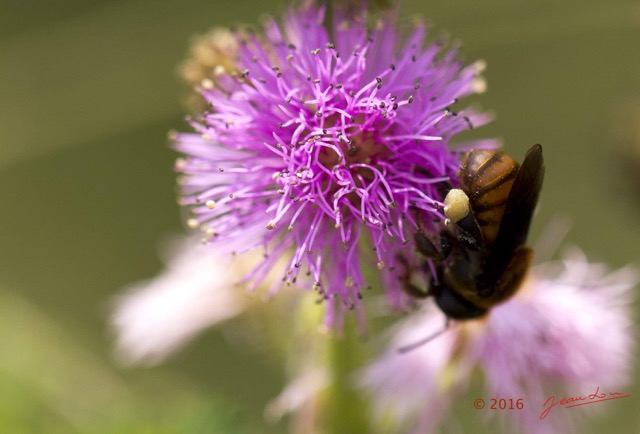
(486,176)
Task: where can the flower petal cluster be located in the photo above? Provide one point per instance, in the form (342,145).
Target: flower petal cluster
(155,318)
(329,135)
(566,334)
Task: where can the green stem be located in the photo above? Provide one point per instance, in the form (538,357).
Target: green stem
(347,410)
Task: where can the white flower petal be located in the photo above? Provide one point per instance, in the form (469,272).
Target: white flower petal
(155,318)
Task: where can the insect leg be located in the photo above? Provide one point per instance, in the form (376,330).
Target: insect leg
(405,279)
(426,340)
(469,232)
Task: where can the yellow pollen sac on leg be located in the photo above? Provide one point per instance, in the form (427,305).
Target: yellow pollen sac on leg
(456,205)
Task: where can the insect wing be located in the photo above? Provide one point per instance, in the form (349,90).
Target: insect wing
(521,203)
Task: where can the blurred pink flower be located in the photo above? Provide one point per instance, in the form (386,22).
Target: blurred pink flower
(566,333)
(299,397)
(156,317)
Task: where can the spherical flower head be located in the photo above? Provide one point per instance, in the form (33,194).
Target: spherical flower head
(325,138)
(567,333)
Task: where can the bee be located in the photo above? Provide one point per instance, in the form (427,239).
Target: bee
(482,258)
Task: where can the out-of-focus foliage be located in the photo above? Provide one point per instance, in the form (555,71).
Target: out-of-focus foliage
(50,384)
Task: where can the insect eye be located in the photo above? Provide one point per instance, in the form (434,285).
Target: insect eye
(456,205)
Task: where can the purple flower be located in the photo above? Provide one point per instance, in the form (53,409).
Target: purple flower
(566,334)
(327,138)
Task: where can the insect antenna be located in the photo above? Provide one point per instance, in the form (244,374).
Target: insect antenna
(426,340)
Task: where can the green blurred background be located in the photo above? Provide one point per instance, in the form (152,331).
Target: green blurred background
(88,91)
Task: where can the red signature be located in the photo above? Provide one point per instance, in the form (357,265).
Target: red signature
(576,401)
